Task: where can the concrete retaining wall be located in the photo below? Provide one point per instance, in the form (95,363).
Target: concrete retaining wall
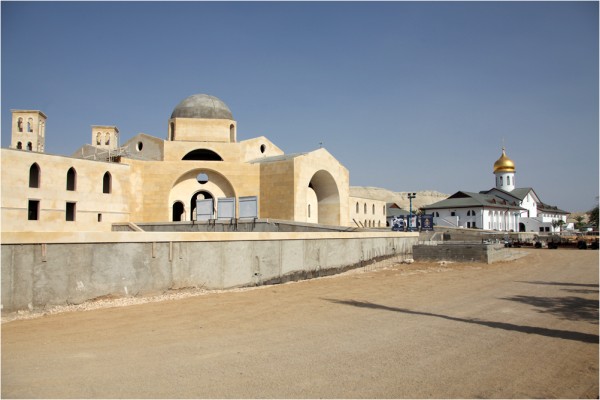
(464,252)
(42,270)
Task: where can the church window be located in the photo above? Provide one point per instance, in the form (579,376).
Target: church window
(469,213)
(500,181)
(453,214)
(232,133)
(365,208)
(357,208)
(202,155)
(263,148)
(139,146)
(107,140)
(384,210)
(34,176)
(29,146)
(98,138)
(33,210)
(70,212)
(99,217)
(20,124)
(30,125)
(309,211)
(202,178)
(373,209)
(468,224)
(172,131)
(508,180)
(107,183)
(19,145)
(71,179)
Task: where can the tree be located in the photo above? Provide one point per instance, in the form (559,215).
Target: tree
(593,217)
(579,223)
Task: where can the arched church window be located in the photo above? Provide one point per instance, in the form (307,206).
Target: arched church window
(508,180)
(30,125)
(20,124)
(383,210)
(107,140)
(373,209)
(309,211)
(29,146)
(500,181)
(232,133)
(98,138)
(357,208)
(365,207)
(71,179)
(19,145)
(34,176)
(172,131)
(107,183)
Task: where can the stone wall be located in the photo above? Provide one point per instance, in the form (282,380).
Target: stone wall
(41,270)
(464,252)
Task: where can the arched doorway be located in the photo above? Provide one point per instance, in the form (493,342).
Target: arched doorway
(522,227)
(178,210)
(203,194)
(328,198)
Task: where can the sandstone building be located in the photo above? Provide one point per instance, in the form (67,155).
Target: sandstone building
(201,171)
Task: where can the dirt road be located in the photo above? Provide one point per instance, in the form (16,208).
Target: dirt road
(523,329)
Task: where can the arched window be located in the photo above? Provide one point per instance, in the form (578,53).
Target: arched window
(107,183)
(508,180)
(30,125)
(178,211)
(19,145)
(357,208)
(500,181)
(29,146)
(34,176)
(384,210)
(365,207)
(309,211)
(172,131)
(373,209)
(71,179)
(107,140)
(20,124)
(202,155)
(469,213)
(232,133)
(98,138)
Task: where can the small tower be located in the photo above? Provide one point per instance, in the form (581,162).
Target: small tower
(504,169)
(105,137)
(28,130)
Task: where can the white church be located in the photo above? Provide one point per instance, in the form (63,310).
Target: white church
(502,208)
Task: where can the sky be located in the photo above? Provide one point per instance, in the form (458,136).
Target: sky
(408,96)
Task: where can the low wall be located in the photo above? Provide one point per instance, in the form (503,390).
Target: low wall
(45,269)
(464,252)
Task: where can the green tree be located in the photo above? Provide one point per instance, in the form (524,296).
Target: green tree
(593,217)
(579,223)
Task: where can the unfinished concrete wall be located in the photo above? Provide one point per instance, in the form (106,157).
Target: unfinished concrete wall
(36,275)
(464,252)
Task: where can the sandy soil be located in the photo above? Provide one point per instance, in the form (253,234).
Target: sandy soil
(523,329)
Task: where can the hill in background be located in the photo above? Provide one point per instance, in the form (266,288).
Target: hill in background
(423,198)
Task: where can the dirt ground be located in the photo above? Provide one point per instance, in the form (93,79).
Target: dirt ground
(521,329)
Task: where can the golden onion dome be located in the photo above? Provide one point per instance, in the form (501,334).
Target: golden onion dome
(504,164)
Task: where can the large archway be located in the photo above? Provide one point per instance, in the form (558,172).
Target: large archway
(328,198)
(196,184)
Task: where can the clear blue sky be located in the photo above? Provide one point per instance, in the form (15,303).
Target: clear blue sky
(408,96)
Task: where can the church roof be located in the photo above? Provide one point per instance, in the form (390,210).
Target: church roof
(463,199)
(548,208)
(202,106)
(283,157)
(504,164)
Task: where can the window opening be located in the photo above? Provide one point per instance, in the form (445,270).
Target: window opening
(365,207)
(70,212)
(34,176)
(202,155)
(33,210)
(71,179)
(99,217)
(29,146)
(202,178)
(262,148)
(98,138)
(139,146)
(107,183)
(373,209)
(30,125)
(107,140)
(178,211)
(20,124)
(309,211)
(19,145)
(357,208)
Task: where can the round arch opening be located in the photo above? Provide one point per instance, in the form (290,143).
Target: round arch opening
(328,198)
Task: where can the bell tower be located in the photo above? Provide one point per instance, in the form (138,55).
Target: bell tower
(28,130)
(105,137)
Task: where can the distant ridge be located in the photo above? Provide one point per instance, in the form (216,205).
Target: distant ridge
(423,198)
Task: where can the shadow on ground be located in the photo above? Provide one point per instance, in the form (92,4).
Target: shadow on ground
(571,307)
(555,333)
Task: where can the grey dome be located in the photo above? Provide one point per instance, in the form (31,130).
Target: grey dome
(202,106)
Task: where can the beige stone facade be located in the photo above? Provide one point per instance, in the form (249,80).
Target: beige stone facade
(148,179)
